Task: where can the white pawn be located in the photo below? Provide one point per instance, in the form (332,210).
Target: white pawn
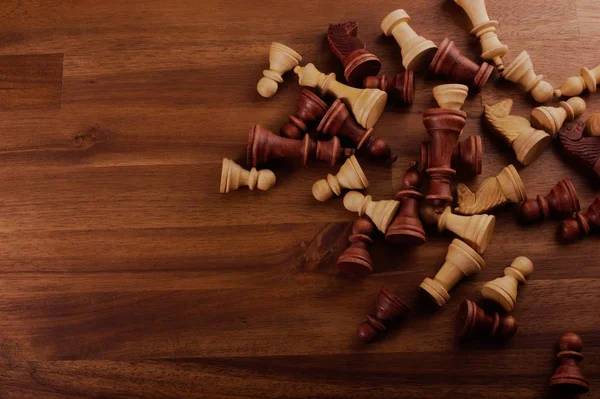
(381,212)
(551,119)
(281,59)
(503,290)
(350,176)
(521,72)
(575,85)
(233,176)
(476,230)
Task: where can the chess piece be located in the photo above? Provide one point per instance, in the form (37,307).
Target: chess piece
(585,150)
(575,85)
(551,119)
(352,52)
(561,202)
(473,321)
(450,96)
(527,143)
(380,212)
(582,225)
(467,155)
(507,186)
(476,230)
(401,87)
(350,176)
(233,176)
(264,145)
(520,71)
(367,105)
(417,51)
(388,310)
(310,109)
(485,30)
(568,376)
(406,228)
(448,61)
(461,261)
(503,290)
(356,261)
(281,59)
(338,122)
(592,126)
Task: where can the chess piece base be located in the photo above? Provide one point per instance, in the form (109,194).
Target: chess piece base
(435,290)
(406,231)
(358,65)
(355,262)
(528,148)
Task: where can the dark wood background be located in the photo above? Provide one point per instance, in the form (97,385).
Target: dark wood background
(125,274)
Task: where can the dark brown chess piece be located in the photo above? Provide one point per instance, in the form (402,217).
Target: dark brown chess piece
(448,61)
(586,150)
(338,121)
(351,51)
(310,109)
(355,260)
(467,155)
(561,202)
(583,224)
(264,145)
(406,228)
(388,309)
(568,376)
(473,321)
(400,88)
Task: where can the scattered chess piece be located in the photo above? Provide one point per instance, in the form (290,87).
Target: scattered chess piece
(561,202)
(338,122)
(388,310)
(233,176)
(381,212)
(592,126)
(417,51)
(520,71)
(356,261)
(476,230)
(448,61)
(352,52)
(406,228)
(310,109)
(568,376)
(492,49)
(583,224)
(503,290)
(281,59)
(350,176)
(527,143)
(507,186)
(401,87)
(551,119)
(264,145)
(367,105)
(575,85)
(461,261)
(450,96)
(473,321)
(585,150)
(467,155)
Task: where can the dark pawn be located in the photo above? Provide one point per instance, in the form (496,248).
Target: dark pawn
(568,375)
(561,202)
(310,109)
(338,121)
(355,260)
(401,87)
(473,321)
(583,224)
(467,155)
(388,309)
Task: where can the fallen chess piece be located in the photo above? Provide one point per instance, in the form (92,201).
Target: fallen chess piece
(582,225)
(568,376)
(233,176)
(503,290)
(521,72)
(310,109)
(281,60)
(575,85)
(551,119)
(583,149)
(473,321)
(467,156)
(561,202)
(592,125)
(350,176)
(400,88)
(381,212)
(355,260)
(388,310)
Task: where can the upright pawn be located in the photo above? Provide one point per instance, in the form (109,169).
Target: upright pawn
(233,176)
(467,155)
(350,176)
(473,321)
(310,109)
(400,88)
(551,119)
(568,376)
(520,71)
(575,85)
(503,290)
(380,212)
(561,202)
(476,230)
(583,224)
(281,59)
(388,310)
(355,260)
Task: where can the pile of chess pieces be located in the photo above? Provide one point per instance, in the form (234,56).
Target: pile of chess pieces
(319,127)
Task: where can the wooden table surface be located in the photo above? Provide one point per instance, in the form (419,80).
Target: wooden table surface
(125,274)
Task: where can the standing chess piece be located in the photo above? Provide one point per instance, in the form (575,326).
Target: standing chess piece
(380,212)
(568,376)
(350,176)
(367,105)
(448,61)
(583,224)
(352,52)
(233,176)
(356,261)
(264,145)
(476,230)
(461,261)
(401,87)
(521,72)
(527,143)
(406,228)
(338,122)
(467,155)
(417,51)
(387,311)
(561,202)
(310,109)
(507,186)
(575,85)
(503,290)
(281,59)
(585,150)
(473,321)
(551,119)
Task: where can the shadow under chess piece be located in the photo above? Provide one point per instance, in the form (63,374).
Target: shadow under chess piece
(521,72)
(551,119)
(575,85)
(503,290)
(388,309)
(476,230)
(401,88)
(473,321)
(356,261)
(561,202)
(310,108)
(582,225)
(467,156)
(233,176)
(350,176)
(568,376)
(380,212)
(281,59)
(585,150)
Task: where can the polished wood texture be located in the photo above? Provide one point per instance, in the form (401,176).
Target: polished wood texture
(126,274)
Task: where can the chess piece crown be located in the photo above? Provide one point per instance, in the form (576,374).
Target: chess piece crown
(355,260)
(400,87)
(583,224)
(380,212)
(281,59)
(575,85)
(568,375)
(388,309)
(561,202)
(310,108)
(551,119)
(350,176)
(521,72)
(233,176)
(473,321)
(503,290)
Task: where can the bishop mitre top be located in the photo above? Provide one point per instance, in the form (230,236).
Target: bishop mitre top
(503,290)
(350,176)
